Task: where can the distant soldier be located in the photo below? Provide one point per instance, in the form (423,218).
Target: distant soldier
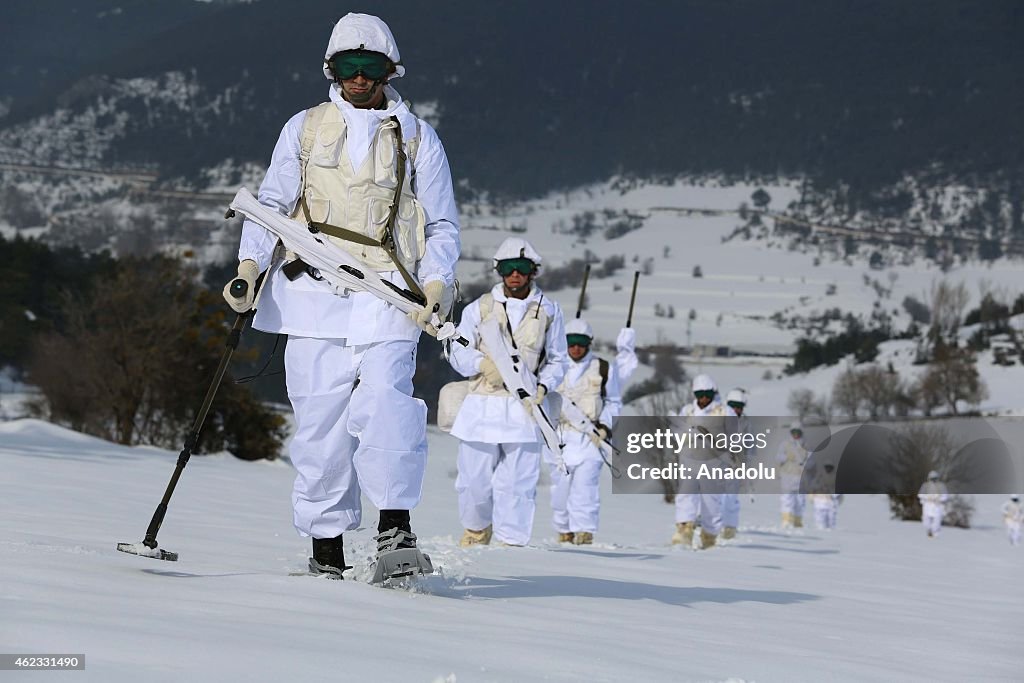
(933,496)
(737,400)
(824,500)
(791,458)
(1013,516)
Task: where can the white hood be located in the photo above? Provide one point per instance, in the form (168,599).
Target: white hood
(363,32)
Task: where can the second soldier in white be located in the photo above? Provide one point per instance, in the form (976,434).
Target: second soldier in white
(500,450)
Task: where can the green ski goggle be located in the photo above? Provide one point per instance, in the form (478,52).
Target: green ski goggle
(736,405)
(524,266)
(577,340)
(705,393)
(372,65)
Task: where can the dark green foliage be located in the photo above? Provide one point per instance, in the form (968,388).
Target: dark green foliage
(861,342)
(841,90)
(131,356)
(918,311)
(991,313)
(32,279)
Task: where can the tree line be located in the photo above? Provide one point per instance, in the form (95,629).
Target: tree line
(126,349)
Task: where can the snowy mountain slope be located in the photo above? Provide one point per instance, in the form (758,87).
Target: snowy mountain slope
(743,284)
(874,600)
(754,296)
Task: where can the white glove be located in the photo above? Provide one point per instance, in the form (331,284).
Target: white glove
(248,271)
(490,372)
(530,402)
(433,292)
(626,341)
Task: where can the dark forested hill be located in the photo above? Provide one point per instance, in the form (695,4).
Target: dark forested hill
(534,95)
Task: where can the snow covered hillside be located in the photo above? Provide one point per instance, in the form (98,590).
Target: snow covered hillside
(753,296)
(873,600)
(742,283)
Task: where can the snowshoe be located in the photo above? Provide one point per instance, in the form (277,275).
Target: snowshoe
(398,557)
(328,558)
(325,570)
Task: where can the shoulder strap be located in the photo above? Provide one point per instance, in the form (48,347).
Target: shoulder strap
(602,367)
(310,125)
(486,305)
(413,146)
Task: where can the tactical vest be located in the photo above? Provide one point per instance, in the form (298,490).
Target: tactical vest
(359,199)
(717,411)
(589,391)
(796,455)
(528,338)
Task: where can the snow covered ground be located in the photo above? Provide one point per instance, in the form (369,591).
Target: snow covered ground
(873,600)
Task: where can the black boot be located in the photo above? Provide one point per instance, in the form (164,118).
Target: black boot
(394,531)
(394,519)
(397,554)
(328,557)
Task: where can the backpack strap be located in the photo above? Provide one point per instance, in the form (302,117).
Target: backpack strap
(486,305)
(310,125)
(602,367)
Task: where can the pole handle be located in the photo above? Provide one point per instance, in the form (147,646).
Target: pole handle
(239,288)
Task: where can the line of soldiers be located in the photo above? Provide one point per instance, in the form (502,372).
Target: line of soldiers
(500,452)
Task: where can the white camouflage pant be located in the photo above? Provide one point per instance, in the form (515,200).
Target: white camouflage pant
(576,497)
(792,503)
(357,429)
(497,485)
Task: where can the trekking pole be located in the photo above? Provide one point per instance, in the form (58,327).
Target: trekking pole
(632,299)
(583,290)
(148,547)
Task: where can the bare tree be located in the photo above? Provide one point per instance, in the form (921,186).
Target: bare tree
(926,393)
(804,403)
(846,393)
(954,376)
(879,390)
(948,304)
(919,449)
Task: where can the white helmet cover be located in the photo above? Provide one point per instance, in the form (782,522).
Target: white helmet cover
(704,383)
(933,475)
(736,396)
(516,247)
(579,326)
(363,32)
(796,426)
